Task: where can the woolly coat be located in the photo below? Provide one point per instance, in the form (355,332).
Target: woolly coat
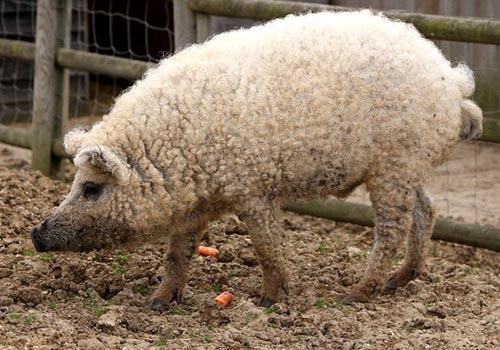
(303,106)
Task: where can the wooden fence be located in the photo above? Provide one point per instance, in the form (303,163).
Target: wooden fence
(53,58)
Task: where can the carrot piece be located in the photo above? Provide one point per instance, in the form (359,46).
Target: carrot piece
(224,298)
(207,251)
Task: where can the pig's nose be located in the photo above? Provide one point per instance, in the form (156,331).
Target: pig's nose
(36,239)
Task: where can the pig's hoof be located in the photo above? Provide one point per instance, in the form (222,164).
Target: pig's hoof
(354,298)
(161,300)
(265,302)
(400,279)
(157,305)
(272,294)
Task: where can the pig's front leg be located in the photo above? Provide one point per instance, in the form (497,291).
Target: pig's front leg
(181,248)
(265,233)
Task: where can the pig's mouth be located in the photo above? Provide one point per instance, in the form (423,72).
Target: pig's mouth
(51,236)
(45,240)
(37,240)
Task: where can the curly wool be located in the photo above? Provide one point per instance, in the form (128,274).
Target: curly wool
(303,106)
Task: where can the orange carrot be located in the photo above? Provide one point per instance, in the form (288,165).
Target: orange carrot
(207,251)
(224,298)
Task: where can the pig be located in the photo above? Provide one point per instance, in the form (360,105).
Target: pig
(301,107)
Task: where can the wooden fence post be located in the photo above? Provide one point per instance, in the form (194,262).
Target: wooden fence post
(51,86)
(202,27)
(184,25)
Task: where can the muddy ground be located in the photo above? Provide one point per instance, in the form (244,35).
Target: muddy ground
(95,300)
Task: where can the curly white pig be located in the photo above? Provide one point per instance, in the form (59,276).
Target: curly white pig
(300,107)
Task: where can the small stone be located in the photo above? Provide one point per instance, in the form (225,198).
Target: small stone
(107,320)
(90,344)
(353,251)
(111,318)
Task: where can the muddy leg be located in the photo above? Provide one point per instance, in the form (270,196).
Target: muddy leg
(393,200)
(181,248)
(263,229)
(416,242)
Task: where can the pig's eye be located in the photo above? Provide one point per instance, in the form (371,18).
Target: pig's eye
(91,190)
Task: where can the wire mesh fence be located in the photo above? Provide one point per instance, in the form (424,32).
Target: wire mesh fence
(140,30)
(17,22)
(470,181)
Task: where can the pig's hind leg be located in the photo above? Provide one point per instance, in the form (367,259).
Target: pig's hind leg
(264,230)
(393,198)
(181,248)
(416,242)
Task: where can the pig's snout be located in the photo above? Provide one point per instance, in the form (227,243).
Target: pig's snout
(37,239)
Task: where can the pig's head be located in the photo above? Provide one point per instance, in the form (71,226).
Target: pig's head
(97,211)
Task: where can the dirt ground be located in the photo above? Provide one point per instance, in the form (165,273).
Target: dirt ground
(95,300)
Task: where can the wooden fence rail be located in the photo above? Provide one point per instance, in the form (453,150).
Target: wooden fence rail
(445,229)
(19,50)
(79,60)
(477,30)
(102,64)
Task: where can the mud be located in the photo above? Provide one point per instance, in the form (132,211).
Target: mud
(96,300)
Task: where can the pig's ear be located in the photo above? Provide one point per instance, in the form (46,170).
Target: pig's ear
(105,160)
(73,141)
